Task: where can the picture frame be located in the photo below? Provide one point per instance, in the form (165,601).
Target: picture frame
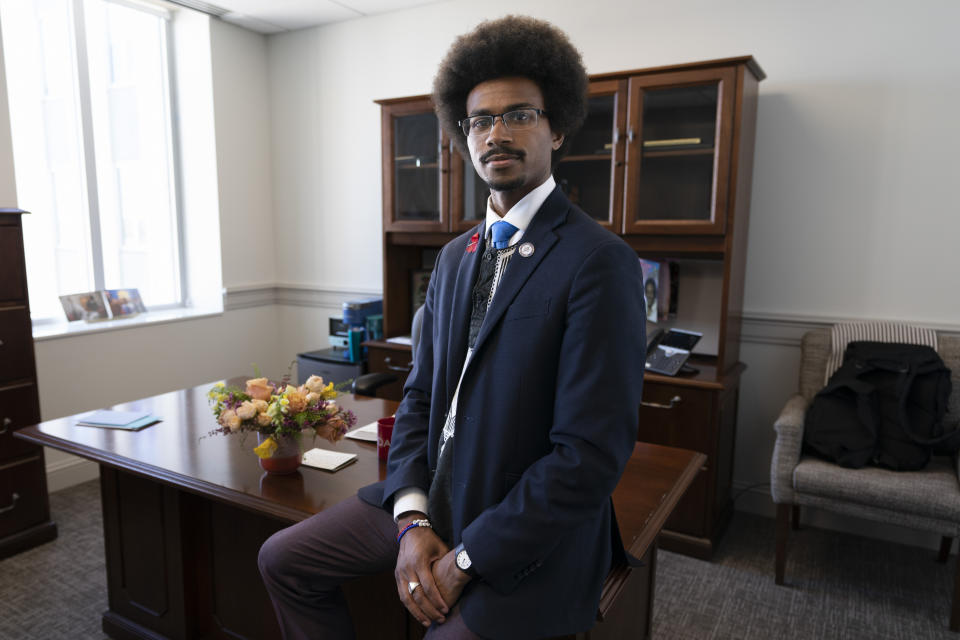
(90,306)
(124,302)
(419,281)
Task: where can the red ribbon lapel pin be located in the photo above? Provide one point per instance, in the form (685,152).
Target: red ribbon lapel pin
(474,240)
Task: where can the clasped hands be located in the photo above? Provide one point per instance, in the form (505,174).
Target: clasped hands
(425,559)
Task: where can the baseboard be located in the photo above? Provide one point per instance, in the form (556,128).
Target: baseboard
(69,472)
(757,500)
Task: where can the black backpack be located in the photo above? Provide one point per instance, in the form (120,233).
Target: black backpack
(884,405)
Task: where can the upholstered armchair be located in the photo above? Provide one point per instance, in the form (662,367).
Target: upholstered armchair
(927,500)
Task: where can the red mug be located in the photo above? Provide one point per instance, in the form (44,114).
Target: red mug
(384,434)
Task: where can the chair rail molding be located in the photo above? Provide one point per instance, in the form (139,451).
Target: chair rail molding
(784,329)
(291,294)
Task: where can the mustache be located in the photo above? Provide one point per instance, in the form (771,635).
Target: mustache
(501,151)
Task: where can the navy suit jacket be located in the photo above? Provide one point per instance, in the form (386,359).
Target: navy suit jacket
(546,419)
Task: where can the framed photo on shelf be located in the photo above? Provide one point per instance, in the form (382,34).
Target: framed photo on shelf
(89,306)
(419,281)
(124,302)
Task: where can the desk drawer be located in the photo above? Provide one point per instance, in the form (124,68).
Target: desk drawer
(396,361)
(22,500)
(18,408)
(16,345)
(677,416)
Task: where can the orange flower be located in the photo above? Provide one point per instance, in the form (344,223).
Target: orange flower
(247,410)
(230,419)
(297,400)
(259,389)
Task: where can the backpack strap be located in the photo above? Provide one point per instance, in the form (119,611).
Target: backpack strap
(904,385)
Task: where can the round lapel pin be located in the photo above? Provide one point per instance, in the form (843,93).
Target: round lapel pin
(526,249)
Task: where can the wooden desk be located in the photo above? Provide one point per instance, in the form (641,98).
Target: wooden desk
(184,518)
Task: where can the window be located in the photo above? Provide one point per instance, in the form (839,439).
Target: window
(88,83)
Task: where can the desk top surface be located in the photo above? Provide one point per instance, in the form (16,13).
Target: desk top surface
(178,451)
(175,452)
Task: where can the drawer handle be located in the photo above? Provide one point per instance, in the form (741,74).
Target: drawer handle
(394,367)
(13,503)
(6,424)
(674,401)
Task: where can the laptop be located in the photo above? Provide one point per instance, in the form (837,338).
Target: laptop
(668,351)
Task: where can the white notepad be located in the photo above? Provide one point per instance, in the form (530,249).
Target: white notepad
(327,460)
(367,433)
(110,418)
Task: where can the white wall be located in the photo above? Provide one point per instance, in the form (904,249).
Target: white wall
(852,210)
(240,95)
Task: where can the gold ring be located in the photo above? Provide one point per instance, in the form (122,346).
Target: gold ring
(412,586)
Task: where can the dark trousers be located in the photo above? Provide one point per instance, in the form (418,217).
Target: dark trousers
(304,565)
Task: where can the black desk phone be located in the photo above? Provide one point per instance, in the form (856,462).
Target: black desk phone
(668,351)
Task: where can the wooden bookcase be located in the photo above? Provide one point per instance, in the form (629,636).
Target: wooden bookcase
(665,160)
(24,506)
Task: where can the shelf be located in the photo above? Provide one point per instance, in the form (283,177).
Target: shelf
(422,165)
(587,158)
(666,153)
(664,246)
(419,239)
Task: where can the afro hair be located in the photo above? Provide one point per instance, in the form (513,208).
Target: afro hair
(513,46)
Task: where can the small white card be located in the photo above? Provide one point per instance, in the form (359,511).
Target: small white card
(327,460)
(367,433)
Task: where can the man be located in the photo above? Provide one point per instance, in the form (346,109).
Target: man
(521,410)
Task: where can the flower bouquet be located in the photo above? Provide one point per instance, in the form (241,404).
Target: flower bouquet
(279,413)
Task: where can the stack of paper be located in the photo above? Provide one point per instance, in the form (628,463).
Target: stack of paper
(327,460)
(367,433)
(108,419)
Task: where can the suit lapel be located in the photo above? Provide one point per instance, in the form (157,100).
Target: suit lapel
(460,318)
(540,234)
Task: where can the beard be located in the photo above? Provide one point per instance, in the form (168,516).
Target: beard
(506,184)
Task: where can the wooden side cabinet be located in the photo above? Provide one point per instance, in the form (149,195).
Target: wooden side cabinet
(24,506)
(698,414)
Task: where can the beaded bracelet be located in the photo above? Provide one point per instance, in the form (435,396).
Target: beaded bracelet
(416,523)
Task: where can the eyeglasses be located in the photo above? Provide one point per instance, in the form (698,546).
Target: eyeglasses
(517,120)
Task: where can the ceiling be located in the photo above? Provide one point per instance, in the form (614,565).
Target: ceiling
(276,16)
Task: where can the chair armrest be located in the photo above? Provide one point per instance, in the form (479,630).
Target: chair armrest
(786,449)
(368,383)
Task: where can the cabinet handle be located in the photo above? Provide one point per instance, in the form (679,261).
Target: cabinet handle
(6,423)
(675,400)
(630,136)
(13,503)
(394,367)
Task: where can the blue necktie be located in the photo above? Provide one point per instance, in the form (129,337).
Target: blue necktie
(502,231)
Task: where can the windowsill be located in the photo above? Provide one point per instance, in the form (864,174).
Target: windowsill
(56,330)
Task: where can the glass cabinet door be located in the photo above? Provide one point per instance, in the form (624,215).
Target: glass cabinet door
(469,193)
(414,166)
(591,174)
(678,133)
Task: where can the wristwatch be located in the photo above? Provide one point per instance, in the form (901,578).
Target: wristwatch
(463,561)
